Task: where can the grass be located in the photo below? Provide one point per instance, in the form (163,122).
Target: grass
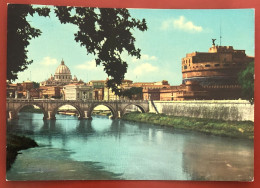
(15,143)
(236,129)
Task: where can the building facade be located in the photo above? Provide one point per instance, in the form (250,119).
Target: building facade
(22,90)
(78,92)
(152,90)
(50,92)
(98,89)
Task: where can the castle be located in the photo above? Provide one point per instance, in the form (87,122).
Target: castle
(207,75)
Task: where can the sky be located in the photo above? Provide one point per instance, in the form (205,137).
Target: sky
(171,34)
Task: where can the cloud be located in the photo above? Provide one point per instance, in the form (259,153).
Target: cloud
(48,61)
(181,24)
(89,65)
(145,57)
(144,68)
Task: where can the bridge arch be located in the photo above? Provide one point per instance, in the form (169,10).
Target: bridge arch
(81,113)
(16,112)
(110,107)
(140,107)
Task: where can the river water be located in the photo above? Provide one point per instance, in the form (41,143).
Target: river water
(72,149)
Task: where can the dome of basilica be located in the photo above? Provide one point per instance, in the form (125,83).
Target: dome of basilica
(61,77)
(62,74)
(62,69)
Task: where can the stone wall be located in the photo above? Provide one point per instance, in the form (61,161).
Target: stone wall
(234,110)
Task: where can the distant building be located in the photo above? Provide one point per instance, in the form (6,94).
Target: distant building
(150,85)
(61,77)
(102,92)
(50,92)
(78,91)
(98,89)
(27,85)
(152,90)
(22,90)
(35,93)
(11,89)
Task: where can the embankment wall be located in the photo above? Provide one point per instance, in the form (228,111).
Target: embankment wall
(233,110)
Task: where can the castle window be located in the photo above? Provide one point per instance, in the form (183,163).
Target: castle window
(207,65)
(217,65)
(185,67)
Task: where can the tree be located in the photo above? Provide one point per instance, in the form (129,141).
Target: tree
(19,33)
(130,93)
(246,80)
(104,32)
(36,85)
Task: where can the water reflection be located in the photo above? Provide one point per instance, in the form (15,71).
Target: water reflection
(84,127)
(218,159)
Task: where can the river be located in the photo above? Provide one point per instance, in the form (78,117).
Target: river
(72,149)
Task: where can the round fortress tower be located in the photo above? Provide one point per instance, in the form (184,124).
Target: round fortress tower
(219,66)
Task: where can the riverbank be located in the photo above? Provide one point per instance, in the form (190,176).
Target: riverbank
(14,144)
(235,129)
(45,163)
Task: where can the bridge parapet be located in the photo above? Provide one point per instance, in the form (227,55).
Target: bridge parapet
(71,101)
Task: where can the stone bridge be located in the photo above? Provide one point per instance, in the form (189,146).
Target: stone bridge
(84,107)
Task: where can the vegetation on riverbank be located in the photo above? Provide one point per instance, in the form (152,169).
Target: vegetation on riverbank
(237,129)
(14,144)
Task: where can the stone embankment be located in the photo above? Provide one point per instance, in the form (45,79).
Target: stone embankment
(229,110)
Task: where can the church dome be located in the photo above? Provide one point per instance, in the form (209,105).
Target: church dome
(62,69)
